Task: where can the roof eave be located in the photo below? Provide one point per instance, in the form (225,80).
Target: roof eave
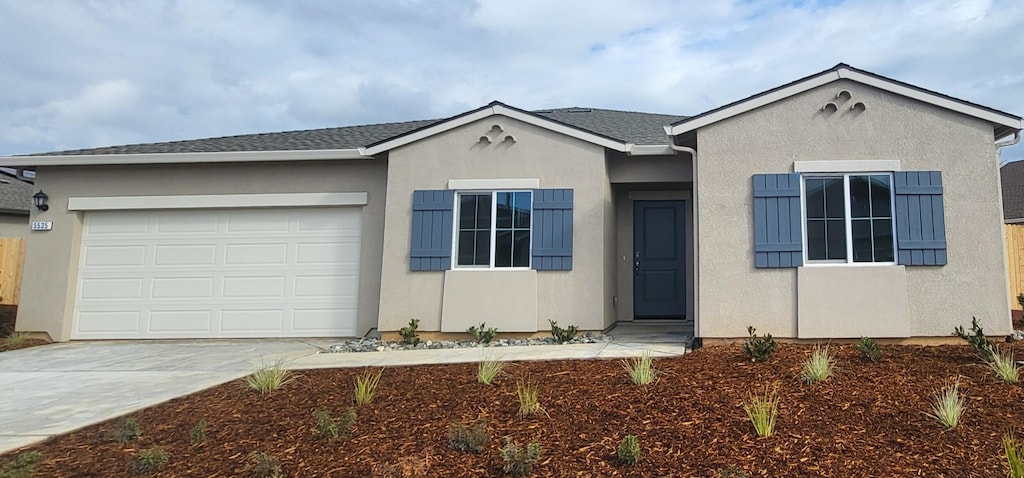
(169,158)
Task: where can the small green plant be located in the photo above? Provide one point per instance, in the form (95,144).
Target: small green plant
(982,346)
(869,349)
(482,334)
(758,348)
(819,366)
(1020,300)
(1014,455)
(17,340)
(763,410)
(408,333)
(329,427)
(472,439)
(150,460)
(488,370)
(366,386)
(641,369)
(948,405)
(22,466)
(198,433)
(1004,366)
(262,465)
(519,460)
(127,431)
(269,378)
(528,393)
(629,450)
(732,472)
(562,335)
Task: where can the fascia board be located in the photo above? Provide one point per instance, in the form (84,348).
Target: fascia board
(168,158)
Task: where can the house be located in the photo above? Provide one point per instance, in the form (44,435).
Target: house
(1012,180)
(15,201)
(843,204)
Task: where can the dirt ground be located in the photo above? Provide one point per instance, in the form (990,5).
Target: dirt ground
(868,420)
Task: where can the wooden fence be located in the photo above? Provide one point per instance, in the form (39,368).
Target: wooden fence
(12,258)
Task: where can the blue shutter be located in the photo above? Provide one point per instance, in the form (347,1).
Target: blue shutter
(920,227)
(778,240)
(552,229)
(431,245)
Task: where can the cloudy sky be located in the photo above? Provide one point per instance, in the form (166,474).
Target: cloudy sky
(77,74)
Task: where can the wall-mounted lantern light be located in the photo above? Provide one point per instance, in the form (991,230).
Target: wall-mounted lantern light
(40,199)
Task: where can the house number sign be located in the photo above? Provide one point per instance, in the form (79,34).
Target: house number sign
(42,225)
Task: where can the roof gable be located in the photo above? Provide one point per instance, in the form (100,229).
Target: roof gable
(15,195)
(1011,178)
(1003,123)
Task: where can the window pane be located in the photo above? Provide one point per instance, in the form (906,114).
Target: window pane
(860,198)
(467,244)
(467,211)
(504,210)
(835,237)
(881,205)
(816,240)
(883,240)
(502,248)
(834,202)
(482,253)
(522,210)
(521,249)
(862,249)
(483,211)
(815,190)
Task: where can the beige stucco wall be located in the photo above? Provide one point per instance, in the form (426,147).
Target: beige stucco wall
(733,294)
(577,297)
(849,302)
(51,262)
(14,225)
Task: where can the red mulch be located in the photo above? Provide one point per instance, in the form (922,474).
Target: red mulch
(868,420)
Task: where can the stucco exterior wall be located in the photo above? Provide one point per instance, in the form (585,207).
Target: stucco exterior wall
(577,297)
(48,288)
(733,294)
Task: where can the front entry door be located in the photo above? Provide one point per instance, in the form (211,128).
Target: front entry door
(659,253)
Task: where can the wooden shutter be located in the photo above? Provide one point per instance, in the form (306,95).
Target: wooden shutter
(920,225)
(778,240)
(431,248)
(552,229)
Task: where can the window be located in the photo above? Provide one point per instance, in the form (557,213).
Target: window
(493,229)
(849,218)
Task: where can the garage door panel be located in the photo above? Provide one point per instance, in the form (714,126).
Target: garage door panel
(219,273)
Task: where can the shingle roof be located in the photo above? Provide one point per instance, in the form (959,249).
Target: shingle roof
(15,194)
(627,126)
(1011,175)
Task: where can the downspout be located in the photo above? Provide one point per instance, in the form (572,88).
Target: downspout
(1009,142)
(696,226)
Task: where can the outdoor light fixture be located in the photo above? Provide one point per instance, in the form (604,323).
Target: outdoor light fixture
(40,199)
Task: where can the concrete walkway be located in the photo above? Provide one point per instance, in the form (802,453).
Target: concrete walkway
(58,388)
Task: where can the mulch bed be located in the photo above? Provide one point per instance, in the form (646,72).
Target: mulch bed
(868,420)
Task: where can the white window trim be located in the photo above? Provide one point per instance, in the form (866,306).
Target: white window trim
(493,184)
(848,219)
(841,167)
(493,229)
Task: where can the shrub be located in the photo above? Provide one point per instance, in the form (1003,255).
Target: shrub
(17,340)
(869,349)
(763,410)
(150,460)
(408,333)
(268,378)
(472,439)
(562,335)
(127,431)
(1014,455)
(22,466)
(329,427)
(641,369)
(488,370)
(1020,300)
(629,450)
(1003,365)
(528,393)
(819,366)
(982,346)
(519,460)
(758,348)
(262,465)
(366,386)
(482,334)
(948,405)
(198,433)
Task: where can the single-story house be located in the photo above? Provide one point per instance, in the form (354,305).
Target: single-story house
(843,204)
(15,200)
(1012,179)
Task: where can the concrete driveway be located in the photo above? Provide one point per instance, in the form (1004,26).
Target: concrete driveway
(57,388)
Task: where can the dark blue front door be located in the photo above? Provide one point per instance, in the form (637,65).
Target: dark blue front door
(659,254)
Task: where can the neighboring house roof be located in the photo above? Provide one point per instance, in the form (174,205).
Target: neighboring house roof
(1011,176)
(1003,123)
(15,195)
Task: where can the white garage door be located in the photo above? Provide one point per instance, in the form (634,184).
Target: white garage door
(281,272)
